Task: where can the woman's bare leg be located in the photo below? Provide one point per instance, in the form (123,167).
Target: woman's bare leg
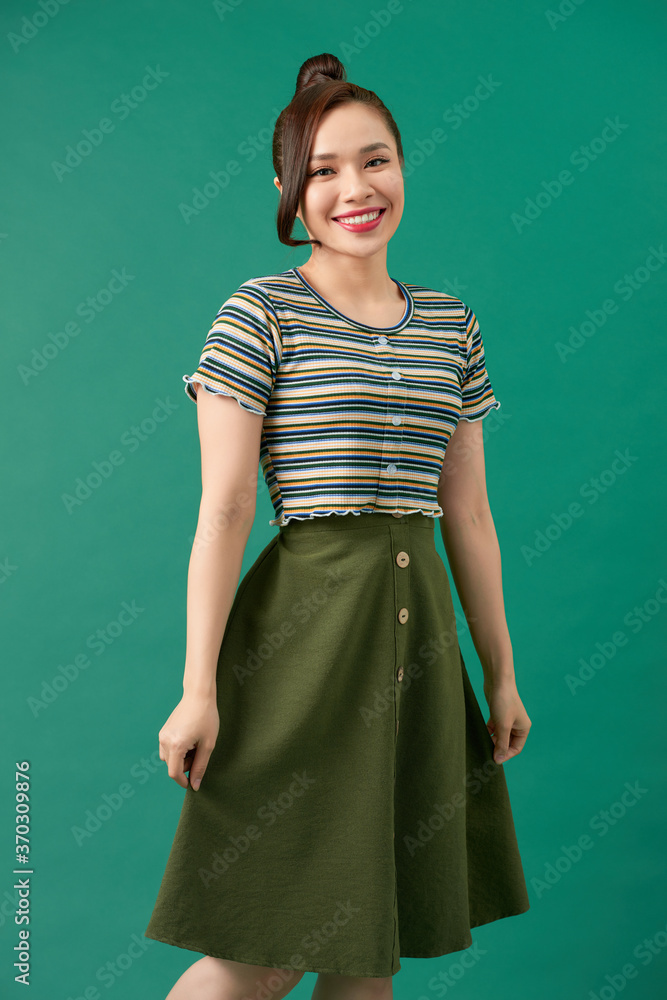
(222,979)
(331,987)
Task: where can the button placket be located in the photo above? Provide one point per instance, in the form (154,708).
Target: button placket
(399,540)
(401,557)
(390,461)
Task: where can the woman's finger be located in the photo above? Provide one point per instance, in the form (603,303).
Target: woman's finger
(175,765)
(199,764)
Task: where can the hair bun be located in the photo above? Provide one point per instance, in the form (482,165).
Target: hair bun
(319,69)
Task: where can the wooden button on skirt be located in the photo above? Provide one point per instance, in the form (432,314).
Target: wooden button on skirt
(324,837)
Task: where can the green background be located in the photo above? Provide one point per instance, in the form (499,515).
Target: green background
(66,573)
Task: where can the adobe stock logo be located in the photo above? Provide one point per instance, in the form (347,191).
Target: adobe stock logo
(582,157)
(31,26)
(625,288)
(104,468)
(98,642)
(591,491)
(122,107)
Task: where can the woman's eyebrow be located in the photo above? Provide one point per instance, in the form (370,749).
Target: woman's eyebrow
(364,149)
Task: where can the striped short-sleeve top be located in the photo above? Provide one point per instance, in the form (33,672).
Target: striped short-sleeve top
(356,418)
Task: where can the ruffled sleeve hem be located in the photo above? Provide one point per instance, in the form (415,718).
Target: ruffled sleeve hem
(480,416)
(214,390)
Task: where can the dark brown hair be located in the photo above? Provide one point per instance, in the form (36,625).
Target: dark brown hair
(321,84)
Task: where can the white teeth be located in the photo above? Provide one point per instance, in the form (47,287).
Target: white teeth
(357,220)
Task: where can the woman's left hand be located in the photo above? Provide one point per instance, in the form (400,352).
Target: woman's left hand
(508,722)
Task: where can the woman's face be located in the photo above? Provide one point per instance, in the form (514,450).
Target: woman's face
(345,178)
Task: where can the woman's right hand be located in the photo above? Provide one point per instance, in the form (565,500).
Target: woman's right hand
(188,737)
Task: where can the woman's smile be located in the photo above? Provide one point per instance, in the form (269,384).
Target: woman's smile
(362,222)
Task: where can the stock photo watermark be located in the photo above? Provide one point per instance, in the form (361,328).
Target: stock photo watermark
(44,12)
(313,941)
(111,802)
(605,651)
(645,951)
(563,12)
(302,611)
(219,180)
(102,469)
(364,34)
(92,138)
(224,7)
(7,569)
(115,968)
(443,812)
(591,491)
(318,936)
(428,652)
(447,978)
(624,288)
(454,116)
(601,823)
(88,310)
(491,422)
(98,642)
(582,157)
(239,510)
(268,812)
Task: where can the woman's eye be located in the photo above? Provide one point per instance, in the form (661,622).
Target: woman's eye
(376,159)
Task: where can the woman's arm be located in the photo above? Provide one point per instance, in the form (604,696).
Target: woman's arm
(470,539)
(230,442)
(471,543)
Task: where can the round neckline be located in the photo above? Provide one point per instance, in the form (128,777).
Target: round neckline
(407,316)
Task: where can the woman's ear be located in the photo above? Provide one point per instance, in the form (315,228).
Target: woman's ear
(278,184)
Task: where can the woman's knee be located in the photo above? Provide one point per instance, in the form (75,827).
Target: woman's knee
(254,982)
(222,977)
(330,986)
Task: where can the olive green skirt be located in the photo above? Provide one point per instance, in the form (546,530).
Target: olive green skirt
(351,812)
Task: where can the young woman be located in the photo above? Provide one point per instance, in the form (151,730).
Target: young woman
(346,802)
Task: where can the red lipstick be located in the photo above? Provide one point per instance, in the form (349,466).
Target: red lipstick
(361,227)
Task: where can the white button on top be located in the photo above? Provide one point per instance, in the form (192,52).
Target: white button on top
(396,374)
(391,468)
(382,340)
(395,420)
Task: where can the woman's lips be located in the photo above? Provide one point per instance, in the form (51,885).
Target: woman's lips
(362,227)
